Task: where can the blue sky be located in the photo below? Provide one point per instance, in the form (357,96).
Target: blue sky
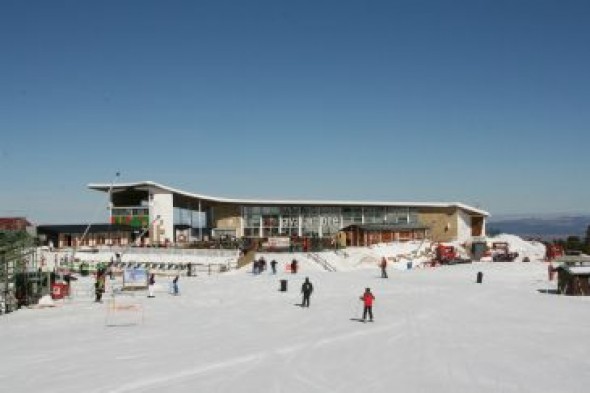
(481,102)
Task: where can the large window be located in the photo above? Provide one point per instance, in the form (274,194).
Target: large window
(401,215)
(270,221)
(310,225)
(352,215)
(289,221)
(330,220)
(313,220)
(375,215)
(252,216)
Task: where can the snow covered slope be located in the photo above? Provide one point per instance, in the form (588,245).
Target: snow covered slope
(436,330)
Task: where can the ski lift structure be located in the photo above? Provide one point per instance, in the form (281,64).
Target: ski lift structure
(21,282)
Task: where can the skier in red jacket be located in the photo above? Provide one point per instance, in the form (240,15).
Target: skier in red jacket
(367,299)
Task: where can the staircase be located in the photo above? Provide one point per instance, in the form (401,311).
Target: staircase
(248,257)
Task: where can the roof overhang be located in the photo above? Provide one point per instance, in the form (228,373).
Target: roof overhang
(150,185)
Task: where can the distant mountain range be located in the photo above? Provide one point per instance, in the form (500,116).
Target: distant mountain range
(542,226)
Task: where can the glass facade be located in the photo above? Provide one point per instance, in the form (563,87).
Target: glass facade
(310,221)
(352,215)
(320,221)
(270,221)
(330,220)
(190,217)
(290,220)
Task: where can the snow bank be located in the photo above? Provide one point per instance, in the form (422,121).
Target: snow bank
(46,301)
(533,250)
(401,255)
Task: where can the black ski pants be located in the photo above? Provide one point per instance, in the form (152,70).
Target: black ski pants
(368,310)
(305,302)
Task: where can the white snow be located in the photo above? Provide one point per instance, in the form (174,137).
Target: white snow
(435,330)
(46,301)
(532,249)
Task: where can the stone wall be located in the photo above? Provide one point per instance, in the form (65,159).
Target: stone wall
(442,223)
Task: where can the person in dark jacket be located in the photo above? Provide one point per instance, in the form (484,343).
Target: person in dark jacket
(99,287)
(368,299)
(262,265)
(151,285)
(383,266)
(306,290)
(273,266)
(294,266)
(175,285)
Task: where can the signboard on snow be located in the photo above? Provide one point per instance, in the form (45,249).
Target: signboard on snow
(135,278)
(279,242)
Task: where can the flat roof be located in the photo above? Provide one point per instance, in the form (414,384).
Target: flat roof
(578,270)
(573,259)
(146,185)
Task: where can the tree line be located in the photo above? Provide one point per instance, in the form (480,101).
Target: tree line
(576,243)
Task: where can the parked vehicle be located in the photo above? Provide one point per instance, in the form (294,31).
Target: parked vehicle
(448,255)
(501,252)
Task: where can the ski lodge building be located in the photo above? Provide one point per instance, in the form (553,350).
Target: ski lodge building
(172,215)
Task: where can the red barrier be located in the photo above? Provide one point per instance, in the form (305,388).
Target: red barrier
(551,272)
(59,290)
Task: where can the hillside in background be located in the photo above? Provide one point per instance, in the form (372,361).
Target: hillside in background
(545,227)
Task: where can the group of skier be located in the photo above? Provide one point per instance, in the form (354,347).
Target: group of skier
(152,286)
(307,287)
(259,266)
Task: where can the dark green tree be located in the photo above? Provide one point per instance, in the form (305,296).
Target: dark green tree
(14,238)
(574,243)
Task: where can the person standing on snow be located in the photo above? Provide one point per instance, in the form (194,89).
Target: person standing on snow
(175,285)
(273,266)
(368,299)
(306,290)
(383,266)
(262,265)
(151,285)
(99,287)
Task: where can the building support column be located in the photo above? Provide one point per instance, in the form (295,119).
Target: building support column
(200,223)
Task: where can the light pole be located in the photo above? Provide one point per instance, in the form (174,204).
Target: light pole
(90,223)
(139,237)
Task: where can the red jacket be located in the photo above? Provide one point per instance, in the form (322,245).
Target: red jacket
(368,298)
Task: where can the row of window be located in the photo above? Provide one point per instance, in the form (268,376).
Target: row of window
(314,210)
(275,221)
(127,211)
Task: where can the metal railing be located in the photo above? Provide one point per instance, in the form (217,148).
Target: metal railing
(322,262)
(20,282)
(170,251)
(160,268)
